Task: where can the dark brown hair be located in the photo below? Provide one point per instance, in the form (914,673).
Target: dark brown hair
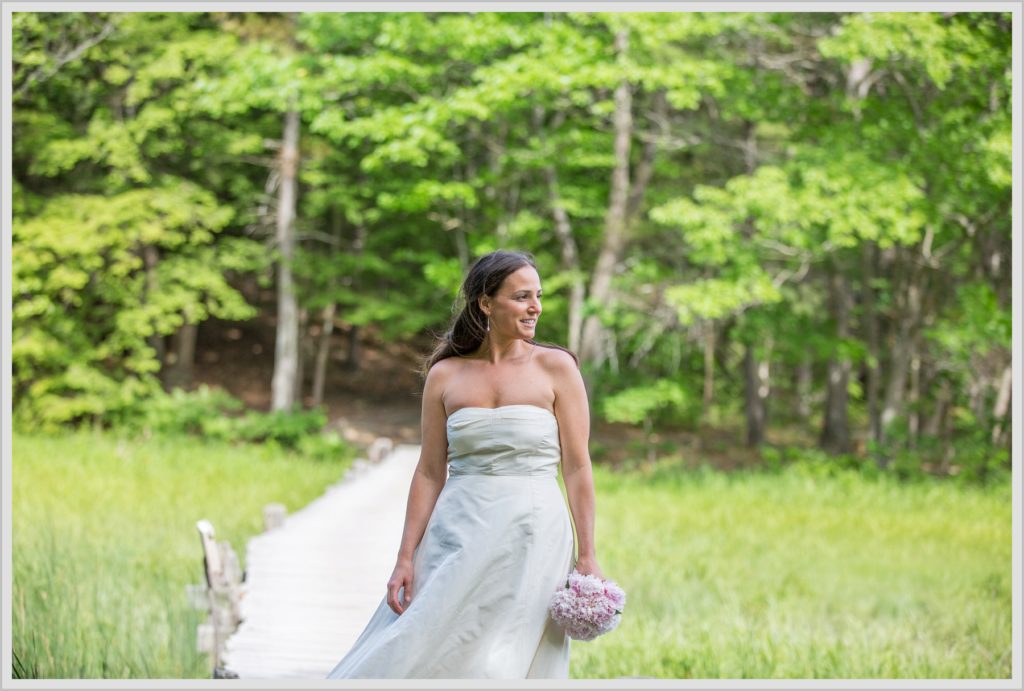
(469,326)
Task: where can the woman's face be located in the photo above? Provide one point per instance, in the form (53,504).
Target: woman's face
(515,307)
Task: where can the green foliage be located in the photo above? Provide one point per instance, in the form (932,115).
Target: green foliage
(882,168)
(179,411)
(640,403)
(922,39)
(86,307)
(715,298)
(788,149)
(815,463)
(124,226)
(971,326)
(278,427)
(212,413)
(973,460)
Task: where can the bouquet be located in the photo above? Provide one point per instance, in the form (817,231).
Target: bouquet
(587,606)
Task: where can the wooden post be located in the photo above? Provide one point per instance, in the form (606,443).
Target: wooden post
(379,449)
(273,516)
(223,593)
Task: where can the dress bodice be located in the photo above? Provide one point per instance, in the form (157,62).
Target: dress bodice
(508,440)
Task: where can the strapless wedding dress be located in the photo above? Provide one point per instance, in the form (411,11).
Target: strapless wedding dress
(498,544)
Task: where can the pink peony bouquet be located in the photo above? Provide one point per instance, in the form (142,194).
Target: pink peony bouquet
(587,606)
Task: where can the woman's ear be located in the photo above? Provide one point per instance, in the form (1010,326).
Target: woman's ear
(484,303)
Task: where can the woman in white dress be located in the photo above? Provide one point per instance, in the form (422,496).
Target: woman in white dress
(487,536)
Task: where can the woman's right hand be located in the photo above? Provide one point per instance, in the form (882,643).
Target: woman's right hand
(401,579)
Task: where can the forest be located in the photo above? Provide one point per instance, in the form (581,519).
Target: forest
(775,220)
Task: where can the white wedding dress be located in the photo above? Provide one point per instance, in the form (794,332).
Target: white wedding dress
(498,544)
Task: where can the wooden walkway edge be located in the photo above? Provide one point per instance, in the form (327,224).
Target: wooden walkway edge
(313,582)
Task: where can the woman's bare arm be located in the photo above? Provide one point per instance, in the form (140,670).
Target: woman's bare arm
(573,412)
(427,482)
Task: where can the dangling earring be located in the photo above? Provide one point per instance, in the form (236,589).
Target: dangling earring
(488,322)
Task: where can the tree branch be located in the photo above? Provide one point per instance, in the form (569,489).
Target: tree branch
(44,72)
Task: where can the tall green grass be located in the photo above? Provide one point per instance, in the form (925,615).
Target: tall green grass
(797,574)
(758,575)
(104,541)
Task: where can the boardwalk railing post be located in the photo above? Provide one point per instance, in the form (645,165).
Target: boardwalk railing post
(273,516)
(223,591)
(379,449)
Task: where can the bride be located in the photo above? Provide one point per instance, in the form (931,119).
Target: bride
(487,536)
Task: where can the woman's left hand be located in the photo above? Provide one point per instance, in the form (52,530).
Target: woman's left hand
(588,567)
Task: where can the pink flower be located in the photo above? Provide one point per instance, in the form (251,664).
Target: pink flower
(587,606)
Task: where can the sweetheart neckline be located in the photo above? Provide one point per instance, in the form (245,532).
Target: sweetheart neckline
(510,405)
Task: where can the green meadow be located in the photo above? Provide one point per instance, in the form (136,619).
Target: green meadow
(802,574)
(105,541)
(789,574)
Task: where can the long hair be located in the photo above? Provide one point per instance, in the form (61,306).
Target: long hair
(468,328)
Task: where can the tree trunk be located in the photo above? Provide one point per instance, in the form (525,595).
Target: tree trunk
(353,359)
(323,348)
(804,382)
(353,354)
(305,354)
(709,367)
(976,400)
(1002,406)
(755,371)
(756,393)
(593,347)
(914,397)
(570,259)
(645,168)
(150,258)
(286,352)
(835,433)
(871,327)
(932,426)
(323,352)
(183,344)
(907,316)
(896,382)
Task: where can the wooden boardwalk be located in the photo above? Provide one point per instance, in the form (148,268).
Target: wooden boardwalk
(313,583)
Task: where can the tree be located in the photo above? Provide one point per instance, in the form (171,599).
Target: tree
(114,220)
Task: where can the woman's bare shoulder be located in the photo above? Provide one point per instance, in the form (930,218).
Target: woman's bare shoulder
(556,360)
(442,369)
(442,372)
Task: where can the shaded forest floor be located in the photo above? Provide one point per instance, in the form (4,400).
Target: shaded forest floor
(381,396)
